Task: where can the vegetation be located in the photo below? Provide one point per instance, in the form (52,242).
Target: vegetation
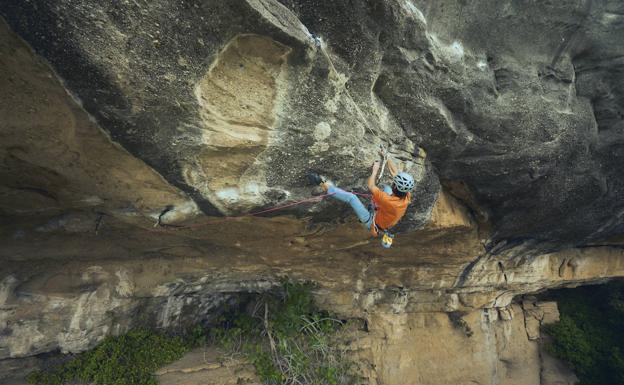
(590,333)
(283,334)
(288,340)
(129,359)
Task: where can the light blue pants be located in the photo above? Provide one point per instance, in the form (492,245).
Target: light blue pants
(365,216)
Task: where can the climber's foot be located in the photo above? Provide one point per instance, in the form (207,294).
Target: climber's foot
(315,179)
(318,180)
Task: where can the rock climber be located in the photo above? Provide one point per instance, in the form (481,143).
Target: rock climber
(389,202)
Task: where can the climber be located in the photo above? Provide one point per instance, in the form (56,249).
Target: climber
(389,203)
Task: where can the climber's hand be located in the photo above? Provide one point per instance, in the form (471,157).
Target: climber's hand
(376,165)
(382,152)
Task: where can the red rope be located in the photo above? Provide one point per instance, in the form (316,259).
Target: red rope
(317,198)
(296,203)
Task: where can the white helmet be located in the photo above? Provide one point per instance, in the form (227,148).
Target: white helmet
(403,182)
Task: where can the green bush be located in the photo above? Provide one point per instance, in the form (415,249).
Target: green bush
(590,333)
(129,359)
(286,338)
(571,343)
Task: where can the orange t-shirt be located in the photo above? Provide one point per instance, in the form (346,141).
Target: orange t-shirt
(390,208)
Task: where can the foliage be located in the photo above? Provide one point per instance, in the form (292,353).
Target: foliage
(129,359)
(288,340)
(590,333)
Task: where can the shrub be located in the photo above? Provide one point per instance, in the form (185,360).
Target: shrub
(590,333)
(129,359)
(288,339)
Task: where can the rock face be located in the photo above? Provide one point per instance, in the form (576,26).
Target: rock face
(482,347)
(136,136)
(232,102)
(206,366)
(55,158)
(181,279)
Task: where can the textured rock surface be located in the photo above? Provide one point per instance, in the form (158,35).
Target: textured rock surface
(232,105)
(131,113)
(207,366)
(55,158)
(480,347)
(170,283)
(518,102)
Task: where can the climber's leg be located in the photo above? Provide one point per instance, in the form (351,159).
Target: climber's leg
(362,213)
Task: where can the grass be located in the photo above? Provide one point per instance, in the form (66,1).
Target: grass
(288,340)
(590,333)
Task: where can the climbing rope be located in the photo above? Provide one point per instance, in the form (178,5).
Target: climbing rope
(317,198)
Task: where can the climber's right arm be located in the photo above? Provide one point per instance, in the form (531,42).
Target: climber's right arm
(392,167)
(371,179)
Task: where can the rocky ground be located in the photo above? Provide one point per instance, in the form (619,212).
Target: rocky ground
(136,137)
(208,366)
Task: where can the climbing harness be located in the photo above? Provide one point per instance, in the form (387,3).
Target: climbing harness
(387,237)
(374,230)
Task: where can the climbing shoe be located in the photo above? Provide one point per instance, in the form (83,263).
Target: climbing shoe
(315,179)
